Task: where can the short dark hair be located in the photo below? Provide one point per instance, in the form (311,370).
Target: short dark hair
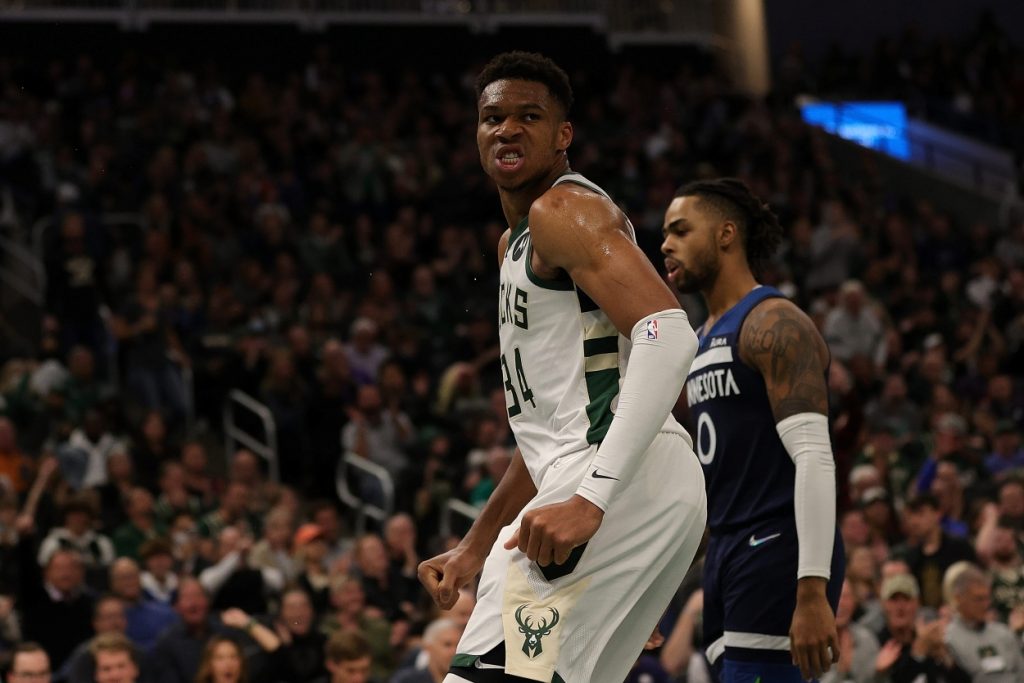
(28,647)
(923,500)
(734,201)
(528,66)
(347,646)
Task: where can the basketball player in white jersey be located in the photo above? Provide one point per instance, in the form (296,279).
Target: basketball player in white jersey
(599,516)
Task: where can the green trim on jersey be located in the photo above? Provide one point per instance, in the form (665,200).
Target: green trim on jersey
(602,387)
(468,661)
(562,284)
(594,347)
(517,231)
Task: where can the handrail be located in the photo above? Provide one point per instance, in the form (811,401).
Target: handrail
(932,151)
(349,499)
(35,292)
(234,434)
(459,507)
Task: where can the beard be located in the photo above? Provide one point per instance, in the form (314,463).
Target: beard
(699,277)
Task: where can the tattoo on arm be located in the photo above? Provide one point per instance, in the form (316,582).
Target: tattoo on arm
(783,344)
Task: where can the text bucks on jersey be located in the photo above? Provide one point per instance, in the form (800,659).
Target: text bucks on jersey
(561,358)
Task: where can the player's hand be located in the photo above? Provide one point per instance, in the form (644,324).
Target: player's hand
(445,574)
(549,533)
(655,641)
(813,630)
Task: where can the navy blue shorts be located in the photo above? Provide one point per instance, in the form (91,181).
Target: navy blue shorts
(750,595)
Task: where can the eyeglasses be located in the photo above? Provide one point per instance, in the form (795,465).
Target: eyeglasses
(32,675)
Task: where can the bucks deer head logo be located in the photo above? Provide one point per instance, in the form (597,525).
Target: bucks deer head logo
(534,632)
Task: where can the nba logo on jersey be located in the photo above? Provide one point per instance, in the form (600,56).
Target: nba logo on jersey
(652,329)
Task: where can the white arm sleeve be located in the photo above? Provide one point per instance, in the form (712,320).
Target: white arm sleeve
(806,439)
(664,345)
(212,578)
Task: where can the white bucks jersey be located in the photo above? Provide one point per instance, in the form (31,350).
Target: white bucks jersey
(561,358)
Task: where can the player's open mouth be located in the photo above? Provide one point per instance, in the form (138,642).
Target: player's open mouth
(510,160)
(671,266)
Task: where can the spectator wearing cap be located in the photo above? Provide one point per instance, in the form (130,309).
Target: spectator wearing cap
(1007,456)
(78,534)
(932,551)
(858,647)
(986,650)
(15,466)
(854,327)
(234,582)
(863,477)
(141,525)
(275,548)
(311,559)
(880,519)
(325,515)
(147,619)
(912,648)
(159,582)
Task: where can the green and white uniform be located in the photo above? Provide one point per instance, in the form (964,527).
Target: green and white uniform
(586,621)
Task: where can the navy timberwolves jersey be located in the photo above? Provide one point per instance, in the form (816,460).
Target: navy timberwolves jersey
(749,475)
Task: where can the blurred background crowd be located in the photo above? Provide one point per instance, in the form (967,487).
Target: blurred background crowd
(319,235)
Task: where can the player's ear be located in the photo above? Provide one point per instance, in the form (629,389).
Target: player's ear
(564,136)
(727,234)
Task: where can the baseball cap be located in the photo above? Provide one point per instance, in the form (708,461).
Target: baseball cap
(307,533)
(873,495)
(900,584)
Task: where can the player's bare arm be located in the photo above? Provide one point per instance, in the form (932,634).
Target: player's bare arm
(446,573)
(581,233)
(782,343)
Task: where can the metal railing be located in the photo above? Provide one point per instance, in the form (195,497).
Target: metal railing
(454,506)
(965,165)
(346,464)
(235,434)
(684,19)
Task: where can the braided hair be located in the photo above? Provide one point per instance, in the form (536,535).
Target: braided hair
(734,202)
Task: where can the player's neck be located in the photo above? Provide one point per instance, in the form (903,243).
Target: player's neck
(515,204)
(732,284)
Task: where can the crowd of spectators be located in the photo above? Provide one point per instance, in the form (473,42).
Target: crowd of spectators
(324,240)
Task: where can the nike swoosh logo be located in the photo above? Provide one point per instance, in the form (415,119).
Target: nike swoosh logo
(754,542)
(595,475)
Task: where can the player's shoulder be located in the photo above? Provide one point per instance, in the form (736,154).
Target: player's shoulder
(570,204)
(776,325)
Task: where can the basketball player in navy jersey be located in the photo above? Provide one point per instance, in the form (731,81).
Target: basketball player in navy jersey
(758,405)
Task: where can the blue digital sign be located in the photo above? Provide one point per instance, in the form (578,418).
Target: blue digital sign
(878,125)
